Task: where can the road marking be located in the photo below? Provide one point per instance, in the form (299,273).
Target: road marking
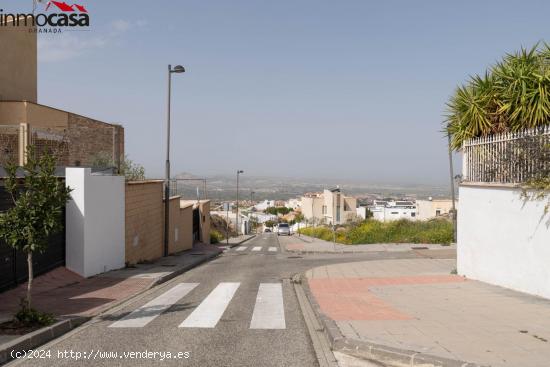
(273,249)
(148,312)
(269,311)
(257,248)
(211,309)
(241,248)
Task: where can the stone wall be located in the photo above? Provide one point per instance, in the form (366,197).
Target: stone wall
(144,221)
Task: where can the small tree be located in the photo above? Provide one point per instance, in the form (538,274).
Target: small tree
(37,211)
(132,171)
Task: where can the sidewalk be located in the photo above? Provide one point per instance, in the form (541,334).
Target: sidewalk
(67,294)
(306,244)
(235,241)
(416,312)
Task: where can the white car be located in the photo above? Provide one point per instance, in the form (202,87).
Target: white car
(283,228)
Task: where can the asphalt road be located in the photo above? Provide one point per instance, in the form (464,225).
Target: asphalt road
(232,325)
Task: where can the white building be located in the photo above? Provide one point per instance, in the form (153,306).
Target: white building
(264,205)
(361,212)
(294,204)
(329,207)
(385,211)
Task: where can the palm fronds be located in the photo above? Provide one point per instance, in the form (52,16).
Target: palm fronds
(512,95)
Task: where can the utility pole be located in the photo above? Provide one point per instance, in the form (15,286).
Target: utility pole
(237,217)
(451,171)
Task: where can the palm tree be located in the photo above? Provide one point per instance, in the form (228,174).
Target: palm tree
(512,95)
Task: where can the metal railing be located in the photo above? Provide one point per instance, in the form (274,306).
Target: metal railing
(9,144)
(189,188)
(512,158)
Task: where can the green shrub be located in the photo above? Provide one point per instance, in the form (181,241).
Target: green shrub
(31,317)
(439,231)
(216,236)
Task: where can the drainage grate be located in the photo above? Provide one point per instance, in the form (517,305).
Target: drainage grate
(420,248)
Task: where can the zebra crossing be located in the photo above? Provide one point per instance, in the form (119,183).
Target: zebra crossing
(268,312)
(255,249)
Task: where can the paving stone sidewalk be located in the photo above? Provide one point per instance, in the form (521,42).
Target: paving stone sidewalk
(418,305)
(304,243)
(65,293)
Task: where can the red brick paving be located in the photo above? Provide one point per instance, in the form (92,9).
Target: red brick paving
(63,292)
(295,246)
(350,298)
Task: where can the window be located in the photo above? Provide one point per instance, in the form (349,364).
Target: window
(438,212)
(394,213)
(413,214)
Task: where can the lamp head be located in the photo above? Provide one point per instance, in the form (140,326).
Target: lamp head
(178,69)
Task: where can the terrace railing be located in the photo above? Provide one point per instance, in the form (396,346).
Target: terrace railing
(509,158)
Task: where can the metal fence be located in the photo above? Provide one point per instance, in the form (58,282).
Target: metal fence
(514,157)
(191,188)
(9,144)
(51,141)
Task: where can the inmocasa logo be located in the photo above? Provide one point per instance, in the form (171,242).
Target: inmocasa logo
(62,15)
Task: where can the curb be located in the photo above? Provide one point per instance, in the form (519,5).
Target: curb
(388,356)
(416,247)
(162,279)
(231,245)
(41,336)
(44,335)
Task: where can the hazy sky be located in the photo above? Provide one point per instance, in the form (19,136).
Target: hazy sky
(351,89)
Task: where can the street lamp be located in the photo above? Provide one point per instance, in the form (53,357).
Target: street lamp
(237,217)
(177,69)
(451,171)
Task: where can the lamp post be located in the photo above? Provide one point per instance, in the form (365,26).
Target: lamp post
(176,69)
(251,211)
(237,217)
(451,171)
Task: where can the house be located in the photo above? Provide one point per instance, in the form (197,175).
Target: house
(432,208)
(294,204)
(329,207)
(388,210)
(75,139)
(264,205)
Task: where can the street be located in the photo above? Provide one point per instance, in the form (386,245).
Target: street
(237,310)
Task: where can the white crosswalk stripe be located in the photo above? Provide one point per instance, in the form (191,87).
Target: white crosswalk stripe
(257,248)
(269,311)
(272,249)
(241,248)
(210,311)
(148,312)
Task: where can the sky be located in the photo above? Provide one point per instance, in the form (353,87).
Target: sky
(352,90)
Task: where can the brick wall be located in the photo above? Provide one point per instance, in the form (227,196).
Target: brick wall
(89,137)
(144,221)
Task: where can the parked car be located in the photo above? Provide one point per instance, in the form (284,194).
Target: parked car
(267,230)
(283,228)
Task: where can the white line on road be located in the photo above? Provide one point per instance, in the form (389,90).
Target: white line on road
(273,249)
(257,248)
(148,312)
(241,248)
(269,311)
(211,309)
